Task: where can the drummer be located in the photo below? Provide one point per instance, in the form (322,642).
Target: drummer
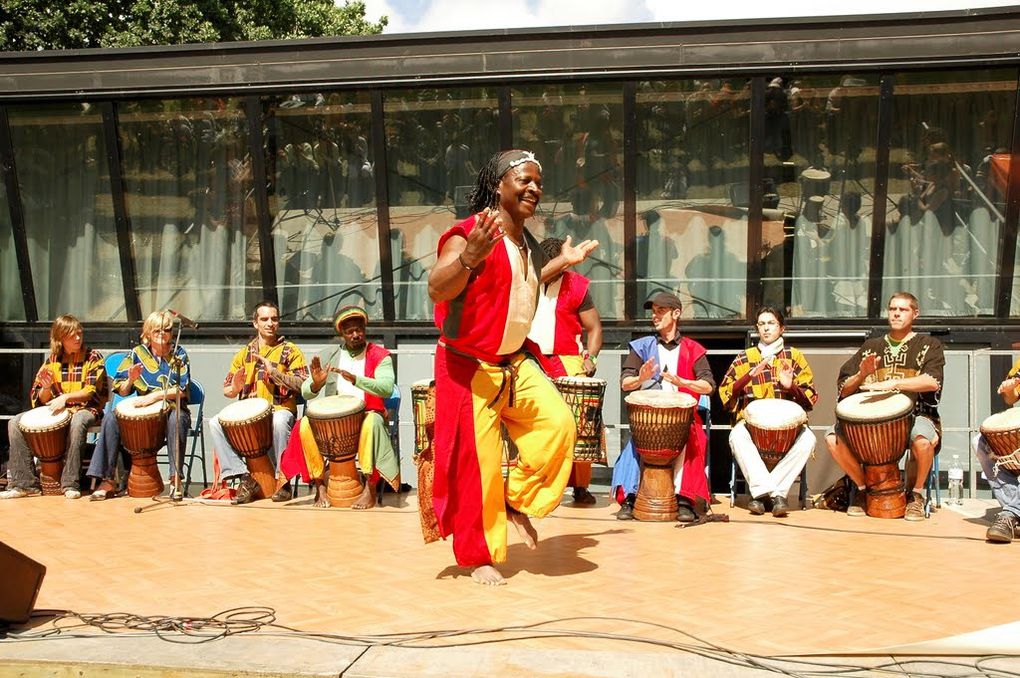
(684,368)
(565,308)
(899,361)
(73,378)
(268,367)
(769,370)
(364,370)
(1004,482)
(155,370)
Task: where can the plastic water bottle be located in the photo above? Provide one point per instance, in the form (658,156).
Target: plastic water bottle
(956,481)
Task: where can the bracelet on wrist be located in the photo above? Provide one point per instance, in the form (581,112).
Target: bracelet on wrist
(460,258)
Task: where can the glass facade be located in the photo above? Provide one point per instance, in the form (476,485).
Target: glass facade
(321,166)
(64,181)
(692,143)
(188,193)
(576,132)
(341,166)
(947,205)
(436,141)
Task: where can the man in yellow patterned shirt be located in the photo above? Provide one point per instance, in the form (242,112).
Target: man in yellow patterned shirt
(271,368)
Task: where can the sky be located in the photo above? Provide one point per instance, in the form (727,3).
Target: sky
(416,16)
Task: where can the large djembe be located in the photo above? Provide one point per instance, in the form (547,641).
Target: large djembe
(876,428)
(248,427)
(660,422)
(335,422)
(142,434)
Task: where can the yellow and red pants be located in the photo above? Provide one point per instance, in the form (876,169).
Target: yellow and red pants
(470,496)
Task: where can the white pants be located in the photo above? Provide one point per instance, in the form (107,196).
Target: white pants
(760,482)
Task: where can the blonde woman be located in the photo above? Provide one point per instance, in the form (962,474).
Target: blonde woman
(155,370)
(74,379)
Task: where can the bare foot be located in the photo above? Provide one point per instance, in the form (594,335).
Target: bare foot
(321,500)
(487,575)
(527,531)
(367,498)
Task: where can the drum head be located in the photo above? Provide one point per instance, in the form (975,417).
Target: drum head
(334,406)
(815,174)
(1008,420)
(422,385)
(774,413)
(40,418)
(874,406)
(126,408)
(244,410)
(663,399)
(579,382)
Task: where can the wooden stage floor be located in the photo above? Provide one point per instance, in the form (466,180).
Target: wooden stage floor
(815,582)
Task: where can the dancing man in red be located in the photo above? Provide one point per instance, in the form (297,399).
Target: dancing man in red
(485,286)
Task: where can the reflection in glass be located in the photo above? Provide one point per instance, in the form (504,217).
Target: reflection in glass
(820,134)
(189,192)
(12,307)
(692,144)
(65,193)
(943,233)
(576,132)
(436,141)
(322,200)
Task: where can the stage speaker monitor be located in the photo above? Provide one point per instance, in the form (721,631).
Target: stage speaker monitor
(19,584)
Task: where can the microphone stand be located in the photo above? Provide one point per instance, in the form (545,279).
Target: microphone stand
(176,497)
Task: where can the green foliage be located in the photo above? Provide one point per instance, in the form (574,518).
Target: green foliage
(77,24)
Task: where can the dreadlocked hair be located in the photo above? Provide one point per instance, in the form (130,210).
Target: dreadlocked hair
(484,194)
(551,247)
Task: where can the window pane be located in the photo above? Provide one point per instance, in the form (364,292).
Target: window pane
(65,193)
(692,140)
(576,132)
(946,206)
(188,183)
(325,228)
(436,141)
(820,135)
(11,305)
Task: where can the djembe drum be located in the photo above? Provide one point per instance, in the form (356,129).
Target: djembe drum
(142,434)
(583,396)
(248,426)
(773,424)
(660,422)
(46,435)
(1002,431)
(335,422)
(423,407)
(814,181)
(876,428)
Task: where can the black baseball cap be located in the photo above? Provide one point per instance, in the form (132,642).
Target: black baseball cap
(667,299)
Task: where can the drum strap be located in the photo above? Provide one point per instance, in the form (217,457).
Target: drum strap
(507,369)
(1001,461)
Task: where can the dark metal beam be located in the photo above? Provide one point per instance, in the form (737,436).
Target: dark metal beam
(256,150)
(382,206)
(121,218)
(1007,243)
(755,196)
(876,267)
(506,122)
(14,206)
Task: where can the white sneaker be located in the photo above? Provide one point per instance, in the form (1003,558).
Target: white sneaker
(18,493)
(71,493)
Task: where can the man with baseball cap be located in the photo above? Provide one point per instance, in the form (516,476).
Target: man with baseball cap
(668,361)
(361,369)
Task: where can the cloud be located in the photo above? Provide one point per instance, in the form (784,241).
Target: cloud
(461,15)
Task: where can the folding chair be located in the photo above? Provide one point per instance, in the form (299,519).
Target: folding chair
(196,402)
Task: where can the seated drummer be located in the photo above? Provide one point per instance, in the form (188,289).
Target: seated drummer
(565,309)
(769,370)
(684,368)
(1004,482)
(73,378)
(154,371)
(899,361)
(363,370)
(271,368)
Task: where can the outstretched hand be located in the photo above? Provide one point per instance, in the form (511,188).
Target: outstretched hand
(575,254)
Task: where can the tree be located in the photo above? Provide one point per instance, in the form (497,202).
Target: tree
(76,24)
